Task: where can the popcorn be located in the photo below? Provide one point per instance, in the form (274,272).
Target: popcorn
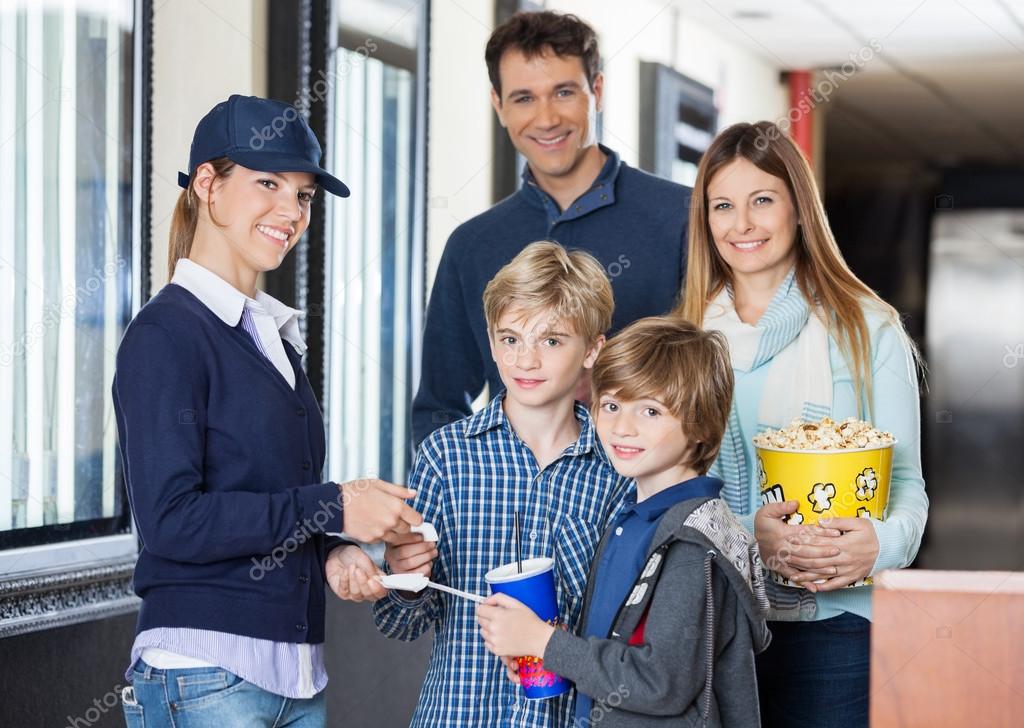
(850,434)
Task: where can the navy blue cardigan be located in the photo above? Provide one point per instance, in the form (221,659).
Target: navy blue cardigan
(222,460)
(634,223)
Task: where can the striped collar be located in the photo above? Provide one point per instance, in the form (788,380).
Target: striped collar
(228,303)
(492,416)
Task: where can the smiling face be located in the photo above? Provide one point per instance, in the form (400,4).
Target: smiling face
(753,220)
(539,358)
(549,109)
(644,441)
(258,215)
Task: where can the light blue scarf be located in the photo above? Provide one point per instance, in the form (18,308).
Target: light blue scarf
(799,382)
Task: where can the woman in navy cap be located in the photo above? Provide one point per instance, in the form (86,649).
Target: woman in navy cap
(223,443)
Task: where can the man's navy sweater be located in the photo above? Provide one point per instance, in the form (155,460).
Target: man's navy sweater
(222,461)
(634,223)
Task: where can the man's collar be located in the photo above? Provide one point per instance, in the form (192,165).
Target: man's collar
(600,193)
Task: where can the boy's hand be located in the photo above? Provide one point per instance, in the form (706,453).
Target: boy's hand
(806,552)
(511,629)
(409,553)
(376,510)
(350,574)
(511,669)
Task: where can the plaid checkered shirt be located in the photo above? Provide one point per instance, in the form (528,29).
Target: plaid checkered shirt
(471,477)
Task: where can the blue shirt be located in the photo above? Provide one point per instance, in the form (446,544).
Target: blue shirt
(634,223)
(625,554)
(471,477)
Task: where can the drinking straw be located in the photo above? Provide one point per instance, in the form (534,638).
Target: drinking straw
(457,592)
(519,545)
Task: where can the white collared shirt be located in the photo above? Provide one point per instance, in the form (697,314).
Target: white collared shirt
(269,321)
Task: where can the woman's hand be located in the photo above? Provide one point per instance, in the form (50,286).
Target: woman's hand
(511,629)
(803,554)
(858,551)
(376,510)
(351,575)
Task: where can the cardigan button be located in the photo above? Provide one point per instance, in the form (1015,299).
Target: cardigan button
(306,464)
(301,411)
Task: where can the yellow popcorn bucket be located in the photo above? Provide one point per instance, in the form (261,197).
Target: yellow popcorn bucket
(827,484)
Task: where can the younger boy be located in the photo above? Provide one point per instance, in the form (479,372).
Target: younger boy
(675,606)
(531,451)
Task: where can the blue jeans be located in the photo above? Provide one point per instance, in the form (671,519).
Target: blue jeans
(209,697)
(815,674)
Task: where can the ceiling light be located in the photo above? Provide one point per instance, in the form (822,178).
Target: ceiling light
(752,15)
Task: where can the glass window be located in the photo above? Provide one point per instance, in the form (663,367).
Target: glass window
(374,262)
(678,120)
(66,216)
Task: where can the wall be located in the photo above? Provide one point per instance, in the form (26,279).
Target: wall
(202,53)
(746,86)
(459,145)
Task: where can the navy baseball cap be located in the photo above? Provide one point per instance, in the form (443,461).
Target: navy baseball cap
(261,134)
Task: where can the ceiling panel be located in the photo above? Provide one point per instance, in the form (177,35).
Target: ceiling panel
(947,84)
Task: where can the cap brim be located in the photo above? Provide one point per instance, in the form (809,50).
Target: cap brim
(271,162)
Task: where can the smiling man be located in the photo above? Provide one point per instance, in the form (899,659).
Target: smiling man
(546,88)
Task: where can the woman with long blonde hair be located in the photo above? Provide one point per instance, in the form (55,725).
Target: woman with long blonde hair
(807,339)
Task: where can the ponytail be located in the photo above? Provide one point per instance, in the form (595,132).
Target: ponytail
(186,216)
(183,229)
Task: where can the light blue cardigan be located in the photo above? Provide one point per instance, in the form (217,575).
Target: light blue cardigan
(896,410)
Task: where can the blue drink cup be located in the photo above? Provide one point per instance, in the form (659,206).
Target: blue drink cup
(534,587)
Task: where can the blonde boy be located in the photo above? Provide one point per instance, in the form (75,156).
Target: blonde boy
(675,606)
(531,451)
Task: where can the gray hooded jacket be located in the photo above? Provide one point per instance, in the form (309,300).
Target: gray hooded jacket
(702,591)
